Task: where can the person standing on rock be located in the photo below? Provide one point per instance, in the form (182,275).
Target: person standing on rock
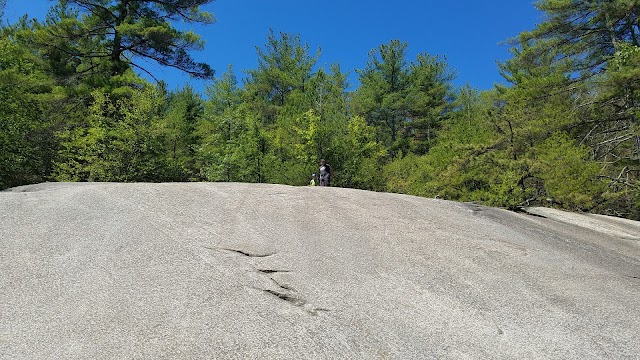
(326,173)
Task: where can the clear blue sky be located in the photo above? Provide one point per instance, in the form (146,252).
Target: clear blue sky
(467,32)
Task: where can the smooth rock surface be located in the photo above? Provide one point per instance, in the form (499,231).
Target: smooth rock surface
(230,271)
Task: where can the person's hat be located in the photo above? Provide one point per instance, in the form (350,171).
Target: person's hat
(314,174)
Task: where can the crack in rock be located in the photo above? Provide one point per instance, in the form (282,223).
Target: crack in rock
(297,302)
(272,271)
(248,254)
(282,286)
(282,296)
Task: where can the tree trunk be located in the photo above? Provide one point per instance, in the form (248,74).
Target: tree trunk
(117,67)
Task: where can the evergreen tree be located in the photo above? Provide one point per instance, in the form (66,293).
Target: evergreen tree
(279,93)
(224,132)
(430,97)
(126,30)
(28,115)
(589,45)
(383,95)
(284,68)
(404,102)
(177,129)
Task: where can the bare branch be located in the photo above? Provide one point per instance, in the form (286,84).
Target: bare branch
(145,70)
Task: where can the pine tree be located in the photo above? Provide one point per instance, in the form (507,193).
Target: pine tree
(114,35)
(382,97)
(590,47)
(224,132)
(29,97)
(405,102)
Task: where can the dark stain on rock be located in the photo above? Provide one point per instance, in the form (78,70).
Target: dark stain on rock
(521,210)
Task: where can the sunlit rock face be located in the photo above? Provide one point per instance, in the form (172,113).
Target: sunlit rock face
(201,271)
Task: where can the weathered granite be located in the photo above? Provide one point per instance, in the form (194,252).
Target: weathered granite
(208,271)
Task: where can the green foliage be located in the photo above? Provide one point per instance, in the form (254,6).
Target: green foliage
(235,145)
(569,176)
(117,143)
(564,133)
(27,95)
(284,68)
(407,174)
(431,98)
(303,113)
(577,71)
(177,132)
(462,165)
(230,148)
(383,94)
(125,30)
(405,102)
(228,143)
(363,157)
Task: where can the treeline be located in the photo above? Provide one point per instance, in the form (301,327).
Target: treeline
(564,132)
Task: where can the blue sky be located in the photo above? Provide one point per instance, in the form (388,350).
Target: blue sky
(467,32)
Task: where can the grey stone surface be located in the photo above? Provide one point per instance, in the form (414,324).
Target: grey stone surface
(249,271)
